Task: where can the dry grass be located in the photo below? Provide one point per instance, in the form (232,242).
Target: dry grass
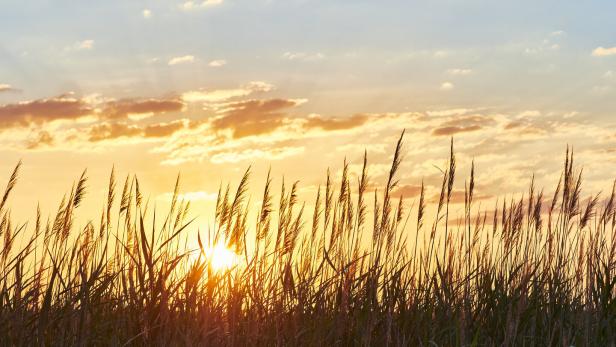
(535,271)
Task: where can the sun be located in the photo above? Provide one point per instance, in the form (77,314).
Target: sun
(220,257)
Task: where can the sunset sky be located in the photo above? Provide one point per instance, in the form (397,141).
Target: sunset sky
(207,88)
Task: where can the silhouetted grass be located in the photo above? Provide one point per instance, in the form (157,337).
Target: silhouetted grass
(362,269)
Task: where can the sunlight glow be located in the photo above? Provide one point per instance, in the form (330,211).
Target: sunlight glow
(220,257)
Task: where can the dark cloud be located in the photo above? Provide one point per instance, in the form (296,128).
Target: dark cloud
(463,124)
(452,130)
(330,124)
(67,107)
(254,117)
(110,131)
(42,111)
(163,129)
(123,108)
(513,125)
(107,131)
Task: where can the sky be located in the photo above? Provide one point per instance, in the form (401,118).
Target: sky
(208,88)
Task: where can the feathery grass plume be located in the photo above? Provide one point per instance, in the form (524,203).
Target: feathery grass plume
(10,185)
(138,196)
(263,222)
(451,174)
(80,191)
(124,201)
(589,211)
(110,196)
(392,183)
(316,215)
(361,190)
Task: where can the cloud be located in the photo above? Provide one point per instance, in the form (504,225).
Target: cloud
(163,129)
(219,95)
(110,131)
(254,117)
(451,112)
(407,191)
(7,88)
(217,63)
(192,5)
(42,111)
(445,86)
(452,130)
(185,59)
(275,153)
(42,139)
(146,13)
(441,54)
(452,125)
(331,124)
(303,56)
(81,45)
(140,107)
(550,43)
(460,72)
(604,52)
(529,113)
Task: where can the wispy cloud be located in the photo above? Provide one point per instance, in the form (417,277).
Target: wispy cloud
(81,45)
(445,86)
(7,88)
(460,72)
(276,153)
(303,56)
(220,95)
(185,59)
(192,5)
(217,63)
(604,52)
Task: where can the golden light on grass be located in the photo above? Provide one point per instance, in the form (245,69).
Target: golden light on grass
(541,266)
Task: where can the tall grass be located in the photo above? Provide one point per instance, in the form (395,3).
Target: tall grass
(362,268)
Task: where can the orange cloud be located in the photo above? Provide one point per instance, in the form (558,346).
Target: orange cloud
(163,129)
(330,124)
(43,138)
(254,117)
(126,107)
(42,111)
(408,191)
(452,130)
(108,131)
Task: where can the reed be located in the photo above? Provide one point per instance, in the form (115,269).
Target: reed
(532,271)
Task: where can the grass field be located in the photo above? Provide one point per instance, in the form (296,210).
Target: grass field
(361,268)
